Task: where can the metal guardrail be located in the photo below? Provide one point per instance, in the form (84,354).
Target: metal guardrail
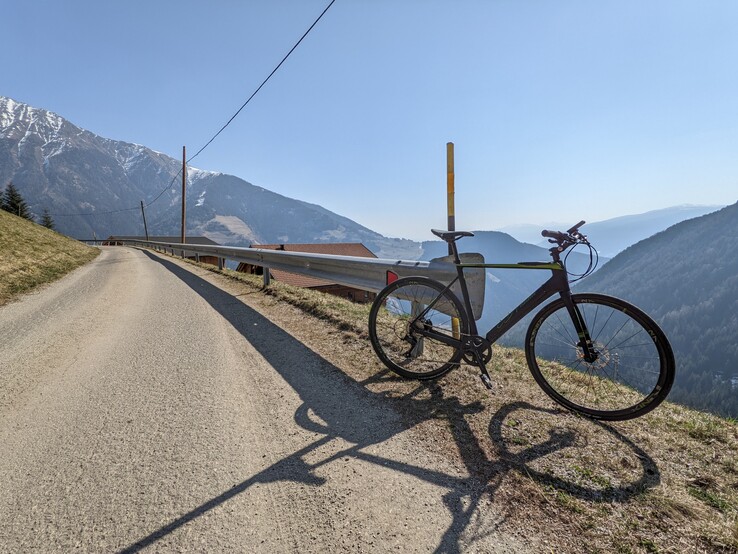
(368,274)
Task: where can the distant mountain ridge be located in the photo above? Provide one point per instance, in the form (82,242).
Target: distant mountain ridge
(614,235)
(68,170)
(686,278)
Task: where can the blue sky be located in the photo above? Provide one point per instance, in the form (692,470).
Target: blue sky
(559,111)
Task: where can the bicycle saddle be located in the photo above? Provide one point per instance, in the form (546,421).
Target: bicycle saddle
(451,236)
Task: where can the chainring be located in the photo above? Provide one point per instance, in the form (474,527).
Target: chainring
(480,346)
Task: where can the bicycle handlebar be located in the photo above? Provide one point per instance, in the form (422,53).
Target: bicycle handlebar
(571,236)
(558,236)
(576,227)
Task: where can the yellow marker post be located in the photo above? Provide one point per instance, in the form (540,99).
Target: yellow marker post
(184,192)
(450,185)
(455,329)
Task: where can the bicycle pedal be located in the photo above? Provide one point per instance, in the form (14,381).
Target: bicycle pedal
(486,380)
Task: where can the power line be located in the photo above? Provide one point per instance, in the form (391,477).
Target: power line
(264,82)
(165,189)
(96,213)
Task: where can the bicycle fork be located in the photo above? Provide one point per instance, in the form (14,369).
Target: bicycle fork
(589,354)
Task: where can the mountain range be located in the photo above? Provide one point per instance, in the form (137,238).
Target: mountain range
(615,235)
(93,186)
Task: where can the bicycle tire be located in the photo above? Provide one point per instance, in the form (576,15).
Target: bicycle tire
(404,352)
(634,370)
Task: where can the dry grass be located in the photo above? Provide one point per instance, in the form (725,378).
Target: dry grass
(31,255)
(667,482)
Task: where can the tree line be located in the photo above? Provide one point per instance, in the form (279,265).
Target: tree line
(12,201)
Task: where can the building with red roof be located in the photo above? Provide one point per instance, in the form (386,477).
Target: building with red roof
(337,249)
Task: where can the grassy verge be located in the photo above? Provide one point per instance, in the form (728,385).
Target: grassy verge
(31,255)
(666,482)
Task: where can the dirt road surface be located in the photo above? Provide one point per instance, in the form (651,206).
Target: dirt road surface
(143,408)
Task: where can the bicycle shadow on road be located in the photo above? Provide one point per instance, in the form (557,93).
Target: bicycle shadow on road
(363,418)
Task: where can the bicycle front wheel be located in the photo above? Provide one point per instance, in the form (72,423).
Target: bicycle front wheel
(400,313)
(634,366)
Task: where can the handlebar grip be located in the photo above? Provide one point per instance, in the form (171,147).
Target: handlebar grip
(557,235)
(576,227)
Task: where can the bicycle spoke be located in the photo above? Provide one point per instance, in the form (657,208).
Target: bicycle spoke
(565,327)
(604,326)
(403,320)
(612,338)
(625,366)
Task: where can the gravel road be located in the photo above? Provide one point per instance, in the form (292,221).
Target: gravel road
(143,408)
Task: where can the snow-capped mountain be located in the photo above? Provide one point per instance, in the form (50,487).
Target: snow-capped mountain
(100,182)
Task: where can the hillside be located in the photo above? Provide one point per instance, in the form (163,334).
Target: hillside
(32,255)
(687,278)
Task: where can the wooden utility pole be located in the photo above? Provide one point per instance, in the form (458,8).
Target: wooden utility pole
(143,213)
(184,185)
(450,188)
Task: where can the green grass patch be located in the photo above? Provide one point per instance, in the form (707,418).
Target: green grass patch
(32,255)
(710,498)
(705,427)
(568,502)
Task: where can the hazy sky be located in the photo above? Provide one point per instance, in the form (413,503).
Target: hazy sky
(559,110)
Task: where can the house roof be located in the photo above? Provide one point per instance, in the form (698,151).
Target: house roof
(297,280)
(335,248)
(173,240)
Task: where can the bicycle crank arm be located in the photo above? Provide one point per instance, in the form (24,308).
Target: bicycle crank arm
(483,373)
(486,380)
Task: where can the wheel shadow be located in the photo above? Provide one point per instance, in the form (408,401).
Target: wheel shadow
(363,418)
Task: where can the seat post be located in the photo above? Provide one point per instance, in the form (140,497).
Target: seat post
(454,251)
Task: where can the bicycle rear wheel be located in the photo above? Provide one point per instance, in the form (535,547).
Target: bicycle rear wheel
(397,340)
(634,369)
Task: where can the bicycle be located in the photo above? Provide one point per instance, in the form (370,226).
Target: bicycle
(594,354)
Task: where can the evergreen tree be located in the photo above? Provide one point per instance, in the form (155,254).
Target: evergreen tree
(46,220)
(3,204)
(13,202)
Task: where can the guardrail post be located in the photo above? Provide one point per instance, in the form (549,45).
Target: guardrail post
(267,277)
(220,263)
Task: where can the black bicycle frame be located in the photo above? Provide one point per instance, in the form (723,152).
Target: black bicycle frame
(557,283)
